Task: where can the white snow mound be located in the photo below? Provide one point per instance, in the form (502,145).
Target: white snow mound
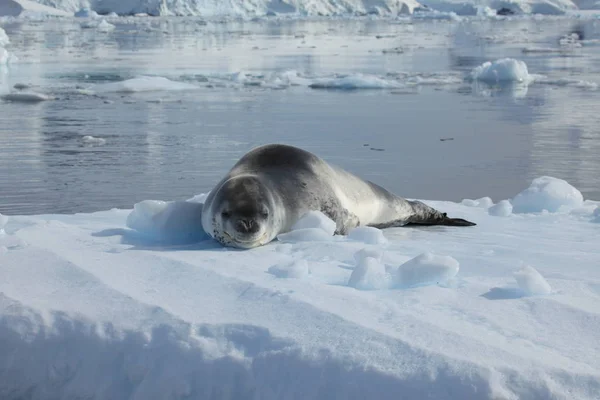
(315,219)
(502,209)
(596,215)
(426,269)
(532,282)
(297,269)
(367,235)
(484,202)
(369,274)
(171,222)
(547,193)
(505,70)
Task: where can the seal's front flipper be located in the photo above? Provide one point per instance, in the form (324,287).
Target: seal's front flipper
(455,222)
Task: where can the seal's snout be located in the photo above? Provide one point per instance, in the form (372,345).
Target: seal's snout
(246,225)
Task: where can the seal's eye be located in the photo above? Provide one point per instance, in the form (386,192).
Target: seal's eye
(225,214)
(264,213)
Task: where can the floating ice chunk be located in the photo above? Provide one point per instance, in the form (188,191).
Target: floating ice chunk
(315,219)
(93,140)
(596,215)
(26,97)
(295,270)
(547,193)
(504,70)
(353,82)
(484,202)
(145,84)
(368,235)
(100,26)
(172,222)
(426,269)
(369,274)
(4,40)
(305,235)
(531,281)
(372,253)
(86,13)
(502,209)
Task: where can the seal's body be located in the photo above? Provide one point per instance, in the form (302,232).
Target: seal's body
(272,186)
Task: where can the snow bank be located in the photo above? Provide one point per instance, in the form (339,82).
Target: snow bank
(547,193)
(144,84)
(317,220)
(505,70)
(114,313)
(426,269)
(15,8)
(503,209)
(532,282)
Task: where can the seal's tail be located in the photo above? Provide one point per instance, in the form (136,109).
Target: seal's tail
(425,215)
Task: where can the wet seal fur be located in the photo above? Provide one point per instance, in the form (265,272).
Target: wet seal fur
(274,185)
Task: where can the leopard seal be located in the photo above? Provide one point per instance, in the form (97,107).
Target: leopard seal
(274,185)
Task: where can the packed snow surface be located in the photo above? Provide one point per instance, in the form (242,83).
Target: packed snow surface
(142,304)
(547,194)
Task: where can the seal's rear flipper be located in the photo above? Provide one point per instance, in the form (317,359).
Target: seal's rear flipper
(425,215)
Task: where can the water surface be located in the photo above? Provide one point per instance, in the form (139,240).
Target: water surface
(429,135)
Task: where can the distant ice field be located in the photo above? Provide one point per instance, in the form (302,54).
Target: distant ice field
(106,112)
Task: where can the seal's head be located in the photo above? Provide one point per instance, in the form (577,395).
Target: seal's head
(244,214)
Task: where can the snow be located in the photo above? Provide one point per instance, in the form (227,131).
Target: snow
(144,84)
(505,70)
(14,8)
(503,209)
(142,304)
(305,235)
(532,282)
(484,202)
(315,219)
(547,194)
(86,13)
(426,269)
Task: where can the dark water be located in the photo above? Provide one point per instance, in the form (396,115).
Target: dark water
(443,139)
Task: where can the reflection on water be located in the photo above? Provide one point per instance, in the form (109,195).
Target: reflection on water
(172,145)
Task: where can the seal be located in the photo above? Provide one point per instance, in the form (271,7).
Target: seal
(274,185)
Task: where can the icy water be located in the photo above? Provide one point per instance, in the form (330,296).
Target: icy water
(411,123)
